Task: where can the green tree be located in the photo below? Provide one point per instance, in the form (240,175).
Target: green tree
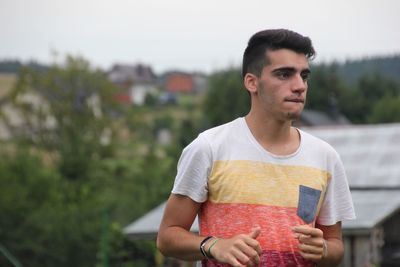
(385,110)
(327,92)
(372,89)
(55,203)
(226,98)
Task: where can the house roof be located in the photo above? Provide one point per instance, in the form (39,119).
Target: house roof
(317,118)
(370,154)
(139,74)
(372,208)
(146,227)
(179,82)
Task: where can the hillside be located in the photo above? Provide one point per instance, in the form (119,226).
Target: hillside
(388,67)
(7,81)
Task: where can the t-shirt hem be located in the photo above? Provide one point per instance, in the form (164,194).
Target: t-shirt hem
(192,197)
(330,221)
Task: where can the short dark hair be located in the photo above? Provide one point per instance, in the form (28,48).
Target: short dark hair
(254,57)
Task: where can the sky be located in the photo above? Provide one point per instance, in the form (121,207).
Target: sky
(190,35)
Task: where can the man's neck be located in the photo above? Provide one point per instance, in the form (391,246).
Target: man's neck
(278,137)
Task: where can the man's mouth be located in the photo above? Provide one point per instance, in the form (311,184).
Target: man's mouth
(295,100)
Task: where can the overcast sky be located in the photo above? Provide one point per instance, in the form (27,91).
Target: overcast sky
(204,35)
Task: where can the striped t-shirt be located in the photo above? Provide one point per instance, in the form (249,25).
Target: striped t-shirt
(242,185)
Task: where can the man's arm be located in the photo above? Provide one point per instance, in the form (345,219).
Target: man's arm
(175,239)
(322,244)
(334,243)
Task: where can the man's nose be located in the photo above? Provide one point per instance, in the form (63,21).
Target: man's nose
(299,85)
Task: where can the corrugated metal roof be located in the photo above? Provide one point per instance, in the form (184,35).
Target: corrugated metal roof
(370,153)
(372,208)
(146,227)
(313,117)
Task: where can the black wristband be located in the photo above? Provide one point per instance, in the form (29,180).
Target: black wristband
(202,244)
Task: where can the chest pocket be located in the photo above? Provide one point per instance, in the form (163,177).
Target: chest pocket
(308,202)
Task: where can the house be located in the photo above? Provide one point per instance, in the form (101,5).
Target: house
(182,82)
(134,82)
(371,156)
(317,118)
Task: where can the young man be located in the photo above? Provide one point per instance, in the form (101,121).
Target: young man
(267,194)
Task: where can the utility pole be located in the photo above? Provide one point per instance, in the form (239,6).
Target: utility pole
(104,238)
(9,256)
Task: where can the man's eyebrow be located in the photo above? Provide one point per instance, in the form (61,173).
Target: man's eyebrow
(291,70)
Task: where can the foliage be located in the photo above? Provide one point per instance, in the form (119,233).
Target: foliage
(226,98)
(325,87)
(327,92)
(58,179)
(388,66)
(14,66)
(385,110)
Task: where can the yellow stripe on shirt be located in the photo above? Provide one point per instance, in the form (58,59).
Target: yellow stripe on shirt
(253,182)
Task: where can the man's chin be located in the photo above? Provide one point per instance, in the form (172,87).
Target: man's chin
(293,115)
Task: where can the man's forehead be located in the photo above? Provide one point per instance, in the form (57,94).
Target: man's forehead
(286,58)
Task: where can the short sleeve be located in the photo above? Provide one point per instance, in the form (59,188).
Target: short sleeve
(194,167)
(338,204)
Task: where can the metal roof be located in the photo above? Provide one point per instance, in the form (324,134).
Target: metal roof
(371,156)
(370,153)
(372,208)
(146,227)
(314,117)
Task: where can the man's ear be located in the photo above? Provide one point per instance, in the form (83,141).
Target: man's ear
(251,82)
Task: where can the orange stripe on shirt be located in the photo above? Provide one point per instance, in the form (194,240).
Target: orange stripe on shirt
(228,220)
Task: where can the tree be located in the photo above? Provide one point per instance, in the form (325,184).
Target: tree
(226,98)
(327,92)
(66,110)
(67,167)
(385,110)
(373,89)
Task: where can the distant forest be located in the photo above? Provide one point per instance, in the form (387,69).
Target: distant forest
(387,66)
(14,66)
(349,71)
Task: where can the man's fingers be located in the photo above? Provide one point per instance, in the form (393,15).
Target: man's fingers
(255,232)
(307,230)
(311,256)
(246,259)
(233,261)
(253,256)
(240,258)
(311,249)
(253,243)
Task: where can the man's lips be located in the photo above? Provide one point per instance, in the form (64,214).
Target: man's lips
(295,100)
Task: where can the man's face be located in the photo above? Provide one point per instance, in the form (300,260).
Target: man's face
(282,86)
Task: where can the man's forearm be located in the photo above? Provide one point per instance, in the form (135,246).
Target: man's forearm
(334,253)
(179,243)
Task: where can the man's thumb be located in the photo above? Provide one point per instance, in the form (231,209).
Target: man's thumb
(255,232)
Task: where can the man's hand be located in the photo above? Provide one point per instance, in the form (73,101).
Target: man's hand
(311,243)
(241,250)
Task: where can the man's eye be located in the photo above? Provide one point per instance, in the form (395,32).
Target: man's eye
(305,76)
(283,75)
